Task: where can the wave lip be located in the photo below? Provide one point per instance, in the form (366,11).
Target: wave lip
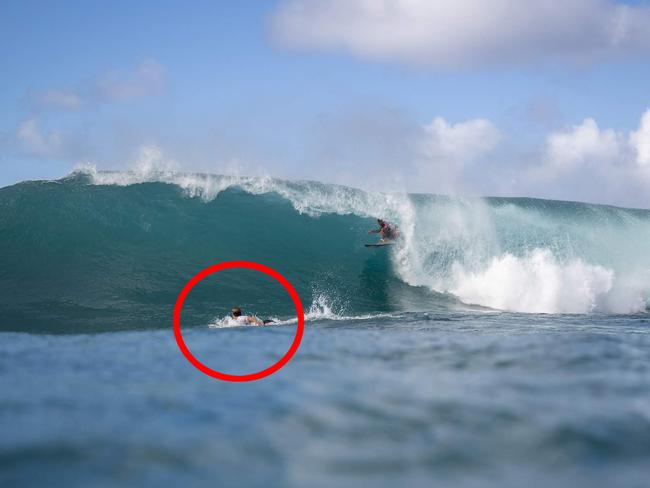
(307,197)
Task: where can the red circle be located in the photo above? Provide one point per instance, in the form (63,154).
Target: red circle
(233,377)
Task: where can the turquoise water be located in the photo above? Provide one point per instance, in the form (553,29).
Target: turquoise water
(503,342)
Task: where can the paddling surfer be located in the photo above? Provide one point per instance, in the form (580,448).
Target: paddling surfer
(237,315)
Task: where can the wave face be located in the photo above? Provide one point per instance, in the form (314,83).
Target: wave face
(111,250)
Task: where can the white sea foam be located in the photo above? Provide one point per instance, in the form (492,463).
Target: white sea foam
(226,322)
(536,282)
(321,308)
(487,257)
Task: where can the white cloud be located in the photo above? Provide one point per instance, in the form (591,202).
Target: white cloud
(461,142)
(447,152)
(640,141)
(36,142)
(59,99)
(453,33)
(473,157)
(580,145)
(147,79)
(373,148)
(585,162)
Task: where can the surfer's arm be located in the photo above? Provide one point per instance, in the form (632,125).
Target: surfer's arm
(254,320)
(374,231)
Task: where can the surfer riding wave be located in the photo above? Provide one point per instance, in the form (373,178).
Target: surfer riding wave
(389,232)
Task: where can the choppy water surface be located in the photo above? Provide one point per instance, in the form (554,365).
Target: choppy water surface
(417,399)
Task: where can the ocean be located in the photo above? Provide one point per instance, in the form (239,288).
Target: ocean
(501,342)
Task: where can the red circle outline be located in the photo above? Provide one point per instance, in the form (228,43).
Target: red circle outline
(228,265)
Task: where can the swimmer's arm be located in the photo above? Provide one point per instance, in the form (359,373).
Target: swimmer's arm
(254,320)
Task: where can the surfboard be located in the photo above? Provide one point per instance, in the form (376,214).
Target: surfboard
(380,245)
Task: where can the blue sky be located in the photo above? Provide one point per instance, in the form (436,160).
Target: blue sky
(335,91)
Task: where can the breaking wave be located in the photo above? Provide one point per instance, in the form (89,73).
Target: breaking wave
(110,250)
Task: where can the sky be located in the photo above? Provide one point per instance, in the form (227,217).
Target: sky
(506,98)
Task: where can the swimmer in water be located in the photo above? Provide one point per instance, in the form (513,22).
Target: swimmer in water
(237,315)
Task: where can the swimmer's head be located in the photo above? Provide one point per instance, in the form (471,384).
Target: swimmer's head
(235,312)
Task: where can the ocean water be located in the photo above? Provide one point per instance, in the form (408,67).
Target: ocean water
(503,342)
